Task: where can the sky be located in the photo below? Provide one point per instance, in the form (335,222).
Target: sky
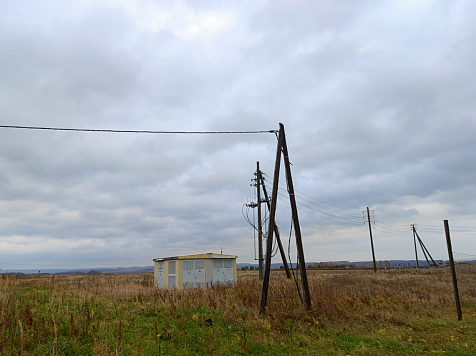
(377,99)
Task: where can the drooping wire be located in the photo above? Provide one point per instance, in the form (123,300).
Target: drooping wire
(465,254)
(296,280)
(328,216)
(275,248)
(350,211)
(246,215)
(245,210)
(332,213)
(133,131)
(345,216)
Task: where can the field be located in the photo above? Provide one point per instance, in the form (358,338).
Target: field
(354,312)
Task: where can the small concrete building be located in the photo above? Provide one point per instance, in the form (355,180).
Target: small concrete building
(202,270)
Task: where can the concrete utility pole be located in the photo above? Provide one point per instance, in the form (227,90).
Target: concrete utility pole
(260,228)
(453,270)
(371,240)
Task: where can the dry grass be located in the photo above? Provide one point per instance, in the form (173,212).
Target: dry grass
(104,314)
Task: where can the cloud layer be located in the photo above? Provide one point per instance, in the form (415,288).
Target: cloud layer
(377,100)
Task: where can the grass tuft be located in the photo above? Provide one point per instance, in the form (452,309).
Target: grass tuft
(354,312)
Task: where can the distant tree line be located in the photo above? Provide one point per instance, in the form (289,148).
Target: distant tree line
(330,265)
(20,274)
(250,268)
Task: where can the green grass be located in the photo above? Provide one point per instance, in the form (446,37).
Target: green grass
(354,313)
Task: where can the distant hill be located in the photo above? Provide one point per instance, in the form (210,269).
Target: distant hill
(146,269)
(341,264)
(150,269)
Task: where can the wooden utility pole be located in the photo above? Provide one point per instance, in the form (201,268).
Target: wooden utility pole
(453,270)
(425,251)
(414,242)
(297,228)
(260,228)
(272,213)
(276,231)
(371,240)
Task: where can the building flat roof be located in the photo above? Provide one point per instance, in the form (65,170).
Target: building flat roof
(197,256)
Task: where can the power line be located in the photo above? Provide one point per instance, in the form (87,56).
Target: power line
(320,216)
(465,254)
(352,211)
(346,215)
(387,222)
(392,226)
(133,131)
(354,219)
(389,230)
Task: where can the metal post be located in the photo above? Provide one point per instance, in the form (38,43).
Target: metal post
(453,270)
(260,228)
(278,239)
(272,214)
(371,241)
(297,228)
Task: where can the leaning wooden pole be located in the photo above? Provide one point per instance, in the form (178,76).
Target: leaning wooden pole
(272,214)
(425,249)
(372,241)
(297,228)
(453,270)
(422,246)
(278,238)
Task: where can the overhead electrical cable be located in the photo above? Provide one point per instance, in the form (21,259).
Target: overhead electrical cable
(332,217)
(356,217)
(426,229)
(327,208)
(389,231)
(353,218)
(350,211)
(320,216)
(452,227)
(386,221)
(296,278)
(344,216)
(379,219)
(403,227)
(465,254)
(133,131)
(252,222)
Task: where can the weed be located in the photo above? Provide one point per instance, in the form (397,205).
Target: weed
(353,312)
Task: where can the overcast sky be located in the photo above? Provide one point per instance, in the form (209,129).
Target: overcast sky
(377,99)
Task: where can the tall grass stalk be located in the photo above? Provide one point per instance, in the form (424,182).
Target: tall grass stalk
(80,314)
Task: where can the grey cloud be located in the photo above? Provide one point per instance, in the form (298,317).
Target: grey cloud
(377,102)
